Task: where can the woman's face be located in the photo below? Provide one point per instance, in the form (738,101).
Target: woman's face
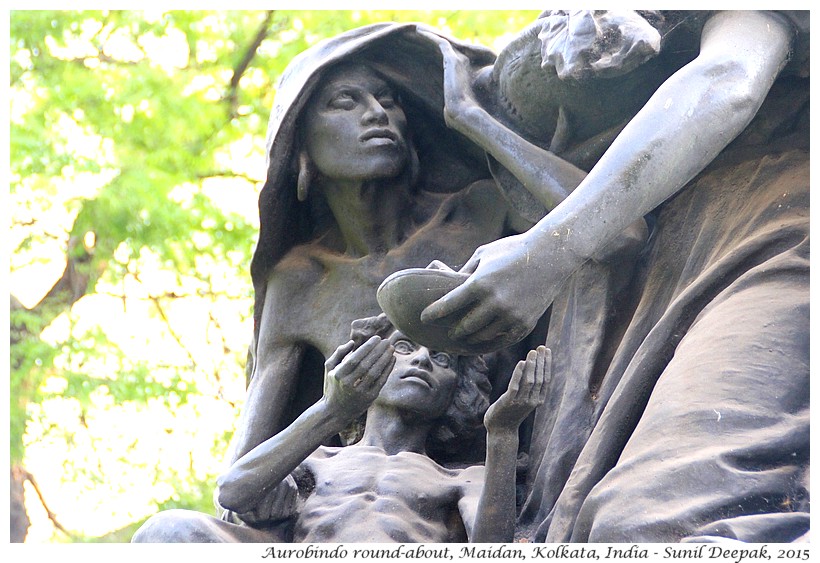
(354,128)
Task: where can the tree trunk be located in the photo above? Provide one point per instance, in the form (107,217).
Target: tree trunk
(18,516)
(71,286)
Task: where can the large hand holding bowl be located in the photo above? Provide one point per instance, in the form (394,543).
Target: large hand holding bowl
(406,293)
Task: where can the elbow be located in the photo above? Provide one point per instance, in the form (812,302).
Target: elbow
(743,95)
(735,88)
(743,106)
(229,492)
(742,53)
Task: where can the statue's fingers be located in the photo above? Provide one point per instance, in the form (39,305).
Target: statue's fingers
(366,372)
(336,358)
(501,326)
(444,46)
(430,35)
(381,369)
(352,362)
(547,375)
(475,323)
(381,358)
(451,304)
(529,374)
(515,379)
(438,265)
(537,373)
(446,49)
(489,333)
(381,348)
(471,265)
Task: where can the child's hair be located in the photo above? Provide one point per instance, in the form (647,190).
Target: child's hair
(462,426)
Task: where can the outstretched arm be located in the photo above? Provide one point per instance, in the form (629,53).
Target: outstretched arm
(683,127)
(548,177)
(495,516)
(354,380)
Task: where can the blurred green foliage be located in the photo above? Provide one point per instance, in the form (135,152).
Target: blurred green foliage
(138,132)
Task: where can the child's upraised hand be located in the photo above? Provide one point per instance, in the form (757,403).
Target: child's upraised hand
(356,375)
(527,389)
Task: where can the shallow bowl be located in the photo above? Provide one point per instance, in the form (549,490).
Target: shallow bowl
(406,293)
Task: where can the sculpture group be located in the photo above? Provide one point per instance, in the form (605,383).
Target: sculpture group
(628,188)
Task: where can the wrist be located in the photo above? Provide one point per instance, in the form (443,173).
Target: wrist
(330,418)
(502,433)
(559,243)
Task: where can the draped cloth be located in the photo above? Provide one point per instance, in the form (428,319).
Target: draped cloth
(679,407)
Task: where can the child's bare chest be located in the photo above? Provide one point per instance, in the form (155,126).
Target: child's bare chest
(368,475)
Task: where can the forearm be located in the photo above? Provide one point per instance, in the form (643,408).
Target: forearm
(548,177)
(495,518)
(266,465)
(683,127)
(353,380)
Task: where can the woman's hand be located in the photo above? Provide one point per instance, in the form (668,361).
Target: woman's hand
(355,376)
(527,389)
(459,97)
(513,280)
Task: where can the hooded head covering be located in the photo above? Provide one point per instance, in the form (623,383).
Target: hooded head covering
(412,63)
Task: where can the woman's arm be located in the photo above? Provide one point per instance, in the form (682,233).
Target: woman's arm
(279,355)
(495,515)
(277,369)
(353,382)
(548,177)
(682,128)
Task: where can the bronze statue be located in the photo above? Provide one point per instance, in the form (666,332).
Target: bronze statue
(638,180)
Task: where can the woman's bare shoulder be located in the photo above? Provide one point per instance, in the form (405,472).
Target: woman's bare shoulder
(300,268)
(481,196)
(290,286)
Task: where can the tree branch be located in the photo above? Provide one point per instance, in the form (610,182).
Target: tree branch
(66,291)
(228,174)
(174,335)
(245,61)
(71,286)
(220,390)
(51,516)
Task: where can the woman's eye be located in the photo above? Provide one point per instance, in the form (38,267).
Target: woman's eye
(403,347)
(387,101)
(343,101)
(442,359)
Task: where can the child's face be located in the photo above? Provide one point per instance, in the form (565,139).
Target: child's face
(422,380)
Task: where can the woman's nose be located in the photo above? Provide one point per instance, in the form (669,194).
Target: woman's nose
(374,113)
